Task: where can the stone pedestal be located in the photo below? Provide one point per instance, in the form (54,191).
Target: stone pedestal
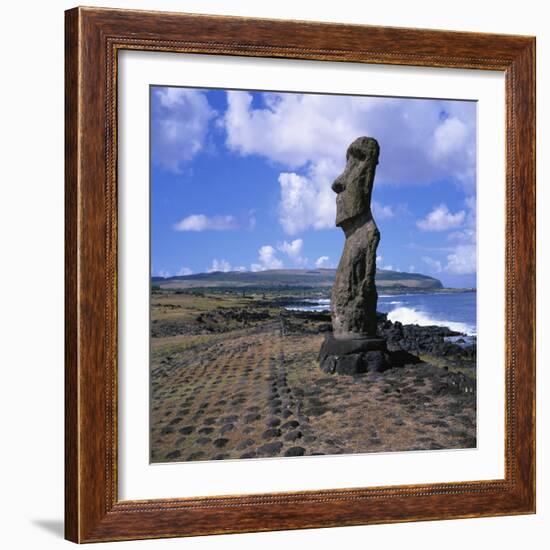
(353,355)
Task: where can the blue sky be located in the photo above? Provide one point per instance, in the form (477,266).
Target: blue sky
(241,181)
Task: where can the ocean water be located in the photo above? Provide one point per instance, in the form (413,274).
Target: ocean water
(456,310)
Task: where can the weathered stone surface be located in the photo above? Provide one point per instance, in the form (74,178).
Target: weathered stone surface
(343,346)
(293,435)
(354,296)
(353,347)
(356,363)
(270,449)
(295,451)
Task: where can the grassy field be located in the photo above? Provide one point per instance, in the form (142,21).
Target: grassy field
(235,376)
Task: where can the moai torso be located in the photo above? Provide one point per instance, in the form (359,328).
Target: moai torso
(354,296)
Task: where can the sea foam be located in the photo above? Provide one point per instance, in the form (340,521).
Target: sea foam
(411,316)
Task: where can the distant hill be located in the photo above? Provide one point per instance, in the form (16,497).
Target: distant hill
(286,278)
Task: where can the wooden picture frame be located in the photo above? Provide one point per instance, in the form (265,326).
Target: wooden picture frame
(93,511)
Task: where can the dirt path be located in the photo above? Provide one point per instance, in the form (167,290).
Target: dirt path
(260,393)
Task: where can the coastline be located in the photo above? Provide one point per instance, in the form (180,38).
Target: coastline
(411,308)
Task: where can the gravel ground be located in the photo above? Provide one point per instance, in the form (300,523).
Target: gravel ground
(259,393)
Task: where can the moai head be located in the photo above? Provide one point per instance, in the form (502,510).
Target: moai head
(354,185)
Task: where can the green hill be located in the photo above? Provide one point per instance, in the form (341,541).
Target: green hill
(288,278)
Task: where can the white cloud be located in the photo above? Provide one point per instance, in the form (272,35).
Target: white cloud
(180,126)
(460,259)
(441,219)
(308,135)
(291,129)
(434,265)
(200,222)
(185,271)
(163,273)
(455,142)
(411,269)
(381,212)
(464,236)
(463,260)
(293,250)
(449,137)
(380,264)
(306,201)
(322,261)
(267,257)
(220,265)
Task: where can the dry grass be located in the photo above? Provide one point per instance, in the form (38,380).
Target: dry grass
(256,392)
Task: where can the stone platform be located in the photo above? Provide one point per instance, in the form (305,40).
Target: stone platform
(353,355)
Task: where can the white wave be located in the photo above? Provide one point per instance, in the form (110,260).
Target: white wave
(410,316)
(315,309)
(394,303)
(318,305)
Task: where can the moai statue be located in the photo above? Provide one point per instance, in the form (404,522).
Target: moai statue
(353,347)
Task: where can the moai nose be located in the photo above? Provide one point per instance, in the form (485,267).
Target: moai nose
(337,185)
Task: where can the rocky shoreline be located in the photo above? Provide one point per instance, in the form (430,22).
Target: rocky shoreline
(435,340)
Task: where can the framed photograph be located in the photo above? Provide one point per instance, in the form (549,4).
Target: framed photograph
(300,275)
